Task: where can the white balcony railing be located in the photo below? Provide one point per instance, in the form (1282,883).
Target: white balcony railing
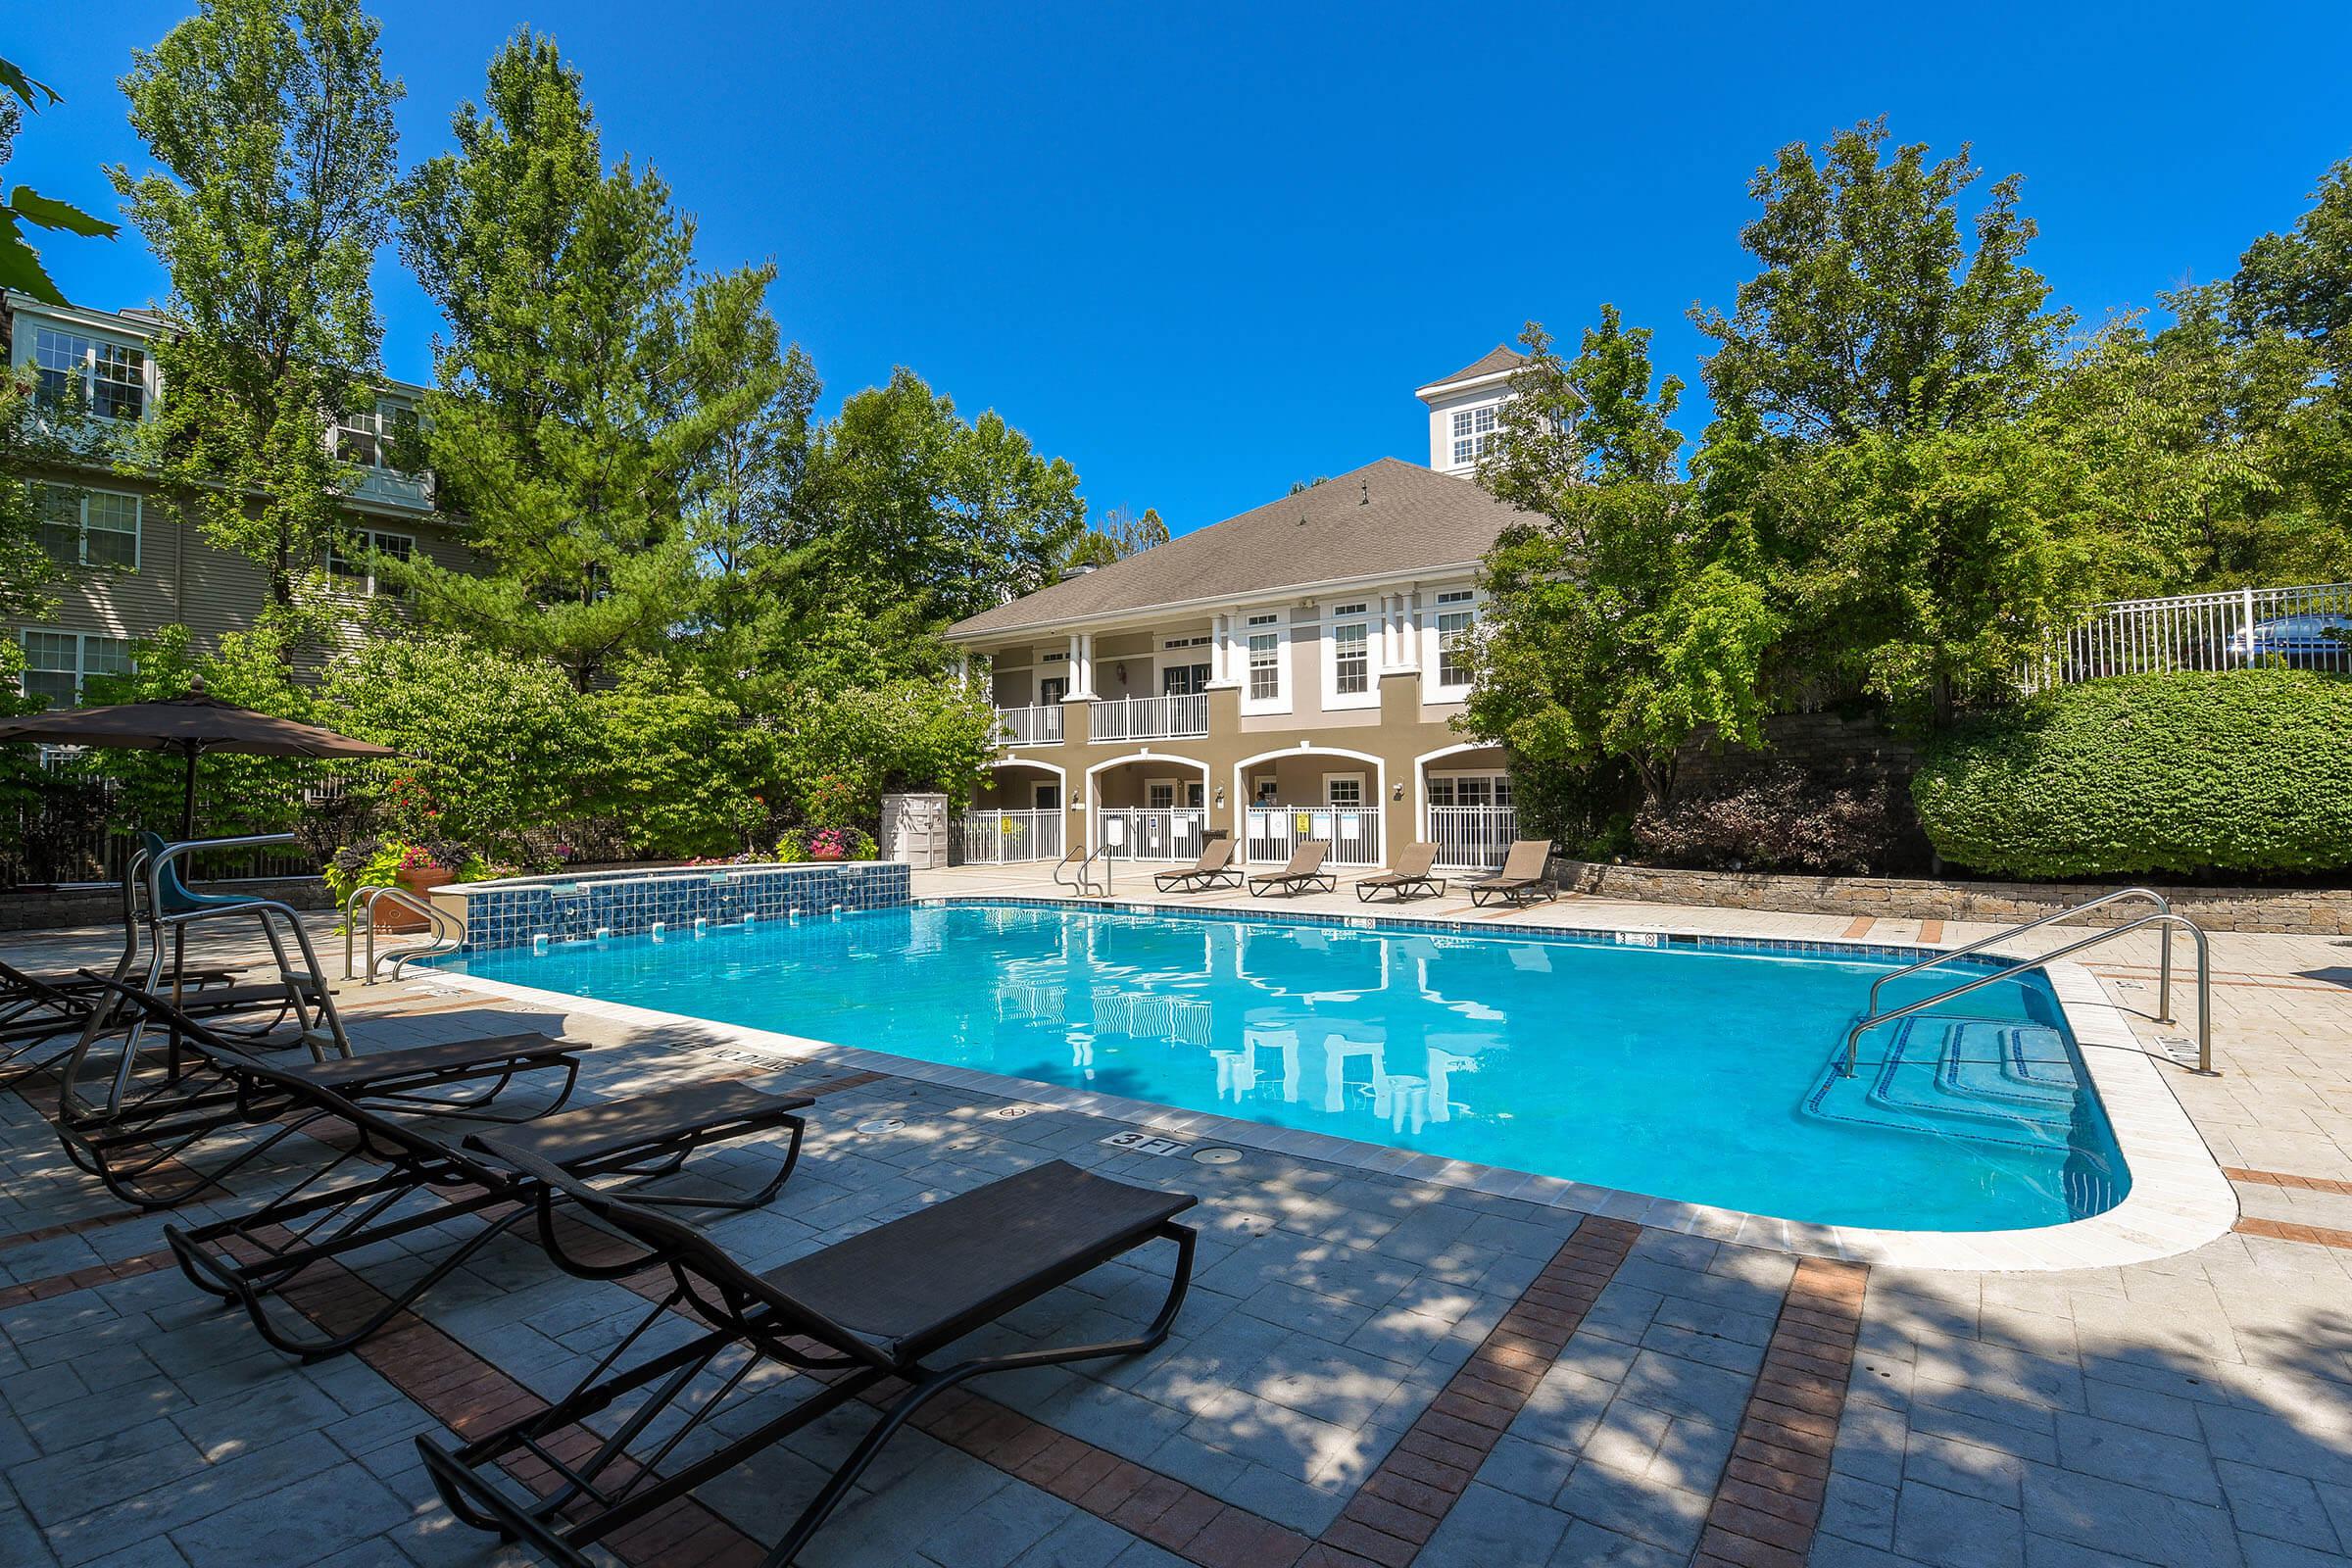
(1472,838)
(1029,726)
(1150,719)
(1274,831)
(1001,838)
(2308,627)
(1146,835)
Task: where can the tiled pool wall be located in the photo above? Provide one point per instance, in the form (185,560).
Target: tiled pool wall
(510,914)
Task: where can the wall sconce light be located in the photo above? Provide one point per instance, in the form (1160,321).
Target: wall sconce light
(1396,792)
(1122,673)
(1220,796)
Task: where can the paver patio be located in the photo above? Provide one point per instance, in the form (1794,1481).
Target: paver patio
(1369,1370)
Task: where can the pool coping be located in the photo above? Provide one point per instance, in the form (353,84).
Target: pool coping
(2179,1198)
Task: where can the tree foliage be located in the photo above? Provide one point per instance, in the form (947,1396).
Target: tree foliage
(271,121)
(2245,771)
(1625,621)
(26,207)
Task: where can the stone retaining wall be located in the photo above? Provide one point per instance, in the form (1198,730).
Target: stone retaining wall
(2303,910)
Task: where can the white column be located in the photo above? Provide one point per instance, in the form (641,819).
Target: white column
(1408,630)
(1082,665)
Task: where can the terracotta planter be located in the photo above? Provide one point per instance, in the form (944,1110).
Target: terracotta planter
(390,917)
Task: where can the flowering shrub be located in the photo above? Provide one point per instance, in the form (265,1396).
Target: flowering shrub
(827,844)
(379,862)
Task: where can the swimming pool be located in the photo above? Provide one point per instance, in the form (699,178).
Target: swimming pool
(1699,1071)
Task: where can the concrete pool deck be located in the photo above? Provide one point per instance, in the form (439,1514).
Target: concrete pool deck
(1372,1369)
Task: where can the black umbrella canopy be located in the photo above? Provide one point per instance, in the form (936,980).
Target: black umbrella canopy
(191,725)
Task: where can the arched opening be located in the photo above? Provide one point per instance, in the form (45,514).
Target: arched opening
(1016,814)
(1463,804)
(1152,807)
(1298,793)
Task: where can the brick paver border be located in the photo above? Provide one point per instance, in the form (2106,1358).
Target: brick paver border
(1401,1503)
(1768,1500)
(2275,1178)
(2288,1231)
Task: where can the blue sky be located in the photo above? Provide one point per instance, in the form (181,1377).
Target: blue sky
(1206,252)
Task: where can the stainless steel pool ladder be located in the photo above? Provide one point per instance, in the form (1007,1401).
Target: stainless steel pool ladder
(2164,918)
(448,932)
(1081,881)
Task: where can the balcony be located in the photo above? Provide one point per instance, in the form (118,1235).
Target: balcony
(1029,726)
(391,487)
(1150,718)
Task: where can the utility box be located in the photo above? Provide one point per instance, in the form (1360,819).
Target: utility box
(914,831)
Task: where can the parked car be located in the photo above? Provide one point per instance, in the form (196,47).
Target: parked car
(2309,641)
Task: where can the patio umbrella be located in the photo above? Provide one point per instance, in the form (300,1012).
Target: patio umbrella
(190,725)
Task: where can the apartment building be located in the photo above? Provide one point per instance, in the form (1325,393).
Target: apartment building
(135,566)
(1289,673)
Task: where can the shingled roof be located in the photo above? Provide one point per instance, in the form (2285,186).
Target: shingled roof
(1496,361)
(1385,518)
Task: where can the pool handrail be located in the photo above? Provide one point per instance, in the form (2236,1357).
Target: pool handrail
(2168,919)
(448,934)
(2164,983)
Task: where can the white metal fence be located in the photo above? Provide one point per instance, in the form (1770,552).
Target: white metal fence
(1150,719)
(2303,627)
(1029,726)
(1472,838)
(1146,835)
(1272,832)
(1000,838)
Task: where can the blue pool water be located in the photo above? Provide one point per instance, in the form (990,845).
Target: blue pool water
(1683,1071)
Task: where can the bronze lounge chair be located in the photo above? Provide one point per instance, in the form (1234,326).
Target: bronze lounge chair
(1409,877)
(1305,870)
(858,1313)
(1521,879)
(219,1085)
(423,1178)
(1213,869)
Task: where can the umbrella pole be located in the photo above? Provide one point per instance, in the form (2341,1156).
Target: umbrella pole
(187,830)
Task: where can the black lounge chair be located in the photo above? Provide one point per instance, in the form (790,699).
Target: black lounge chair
(1409,877)
(37,1008)
(337,1211)
(222,1086)
(856,1314)
(1521,879)
(1305,870)
(1213,869)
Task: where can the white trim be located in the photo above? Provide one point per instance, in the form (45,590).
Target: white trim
(81,494)
(1358,776)
(1142,615)
(1432,637)
(1421,775)
(1368,619)
(1277,625)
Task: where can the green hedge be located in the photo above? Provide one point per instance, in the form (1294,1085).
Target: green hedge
(2246,772)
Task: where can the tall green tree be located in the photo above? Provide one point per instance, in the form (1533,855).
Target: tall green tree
(1116,535)
(1870,313)
(26,207)
(1869,386)
(904,497)
(1628,620)
(561,431)
(271,121)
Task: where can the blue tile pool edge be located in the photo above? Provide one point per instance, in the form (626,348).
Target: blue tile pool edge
(2178,1200)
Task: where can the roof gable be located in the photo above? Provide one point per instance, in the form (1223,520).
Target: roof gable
(1385,518)
(1496,361)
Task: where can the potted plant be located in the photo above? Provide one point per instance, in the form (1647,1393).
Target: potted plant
(419,872)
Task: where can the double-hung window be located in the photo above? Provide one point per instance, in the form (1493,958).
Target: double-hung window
(373,437)
(1473,433)
(88,527)
(356,574)
(57,662)
(1350,678)
(1455,619)
(1265,658)
(74,374)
